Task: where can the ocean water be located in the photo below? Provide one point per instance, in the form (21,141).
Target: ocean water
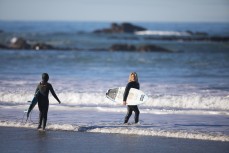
(188,89)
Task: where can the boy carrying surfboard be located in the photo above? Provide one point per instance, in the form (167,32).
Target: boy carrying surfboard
(43,101)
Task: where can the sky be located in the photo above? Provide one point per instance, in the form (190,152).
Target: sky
(115,10)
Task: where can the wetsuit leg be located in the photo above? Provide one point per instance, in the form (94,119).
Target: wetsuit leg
(129,113)
(40,115)
(45,116)
(43,105)
(137,112)
(40,120)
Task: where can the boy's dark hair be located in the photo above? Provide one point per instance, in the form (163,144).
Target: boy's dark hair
(45,77)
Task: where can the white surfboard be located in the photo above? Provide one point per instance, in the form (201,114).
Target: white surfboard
(135,96)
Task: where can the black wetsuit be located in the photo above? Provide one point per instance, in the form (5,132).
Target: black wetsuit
(43,101)
(131,108)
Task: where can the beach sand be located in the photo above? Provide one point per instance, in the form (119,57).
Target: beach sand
(25,140)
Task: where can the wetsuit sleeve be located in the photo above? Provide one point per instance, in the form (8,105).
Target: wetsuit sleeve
(53,93)
(126,92)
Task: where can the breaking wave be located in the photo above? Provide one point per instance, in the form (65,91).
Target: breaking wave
(177,102)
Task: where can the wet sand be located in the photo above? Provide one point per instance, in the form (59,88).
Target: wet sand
(22,140)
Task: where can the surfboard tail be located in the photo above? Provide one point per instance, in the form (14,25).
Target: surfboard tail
(32,105)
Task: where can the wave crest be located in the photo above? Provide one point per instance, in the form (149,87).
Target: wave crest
(194,101)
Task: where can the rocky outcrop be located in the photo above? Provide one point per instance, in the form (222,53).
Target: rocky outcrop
(19,43)
(3,46)
(42,46)
(122,28)
(122,47)
(141,48)
(152,48)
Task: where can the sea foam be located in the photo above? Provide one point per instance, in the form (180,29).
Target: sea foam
(177,102)
(162,33)
(123,129)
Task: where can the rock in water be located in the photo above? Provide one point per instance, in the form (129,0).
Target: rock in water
(19,43)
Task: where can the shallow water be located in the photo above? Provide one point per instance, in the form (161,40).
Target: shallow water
(62,141)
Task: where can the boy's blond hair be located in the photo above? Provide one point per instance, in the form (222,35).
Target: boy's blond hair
(135,77)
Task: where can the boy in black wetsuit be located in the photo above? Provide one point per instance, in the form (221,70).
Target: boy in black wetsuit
(43,102)
(133,83)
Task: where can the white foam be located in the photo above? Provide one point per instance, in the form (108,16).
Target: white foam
(121,129)
(192,101)
(163,133)
(167,102)
(162,33)
(13,40)
(65,127)
(17,124)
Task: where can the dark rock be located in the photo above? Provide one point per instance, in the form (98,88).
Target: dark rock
(219,38)
(42,46)
(19,43)
(152,48)
(3,46)
(125,38)
(122,47)
(122,28)
(129,28)
(142,48)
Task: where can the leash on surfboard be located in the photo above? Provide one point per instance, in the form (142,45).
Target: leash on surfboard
(28,115)
(25,113)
